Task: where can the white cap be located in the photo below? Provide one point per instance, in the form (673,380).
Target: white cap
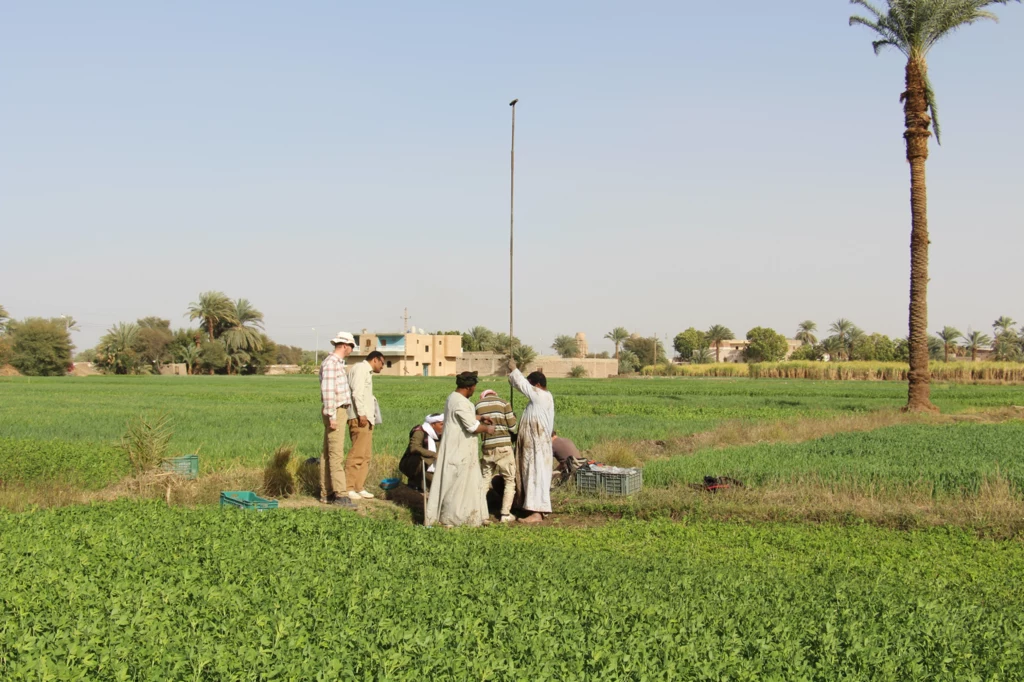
(344,337)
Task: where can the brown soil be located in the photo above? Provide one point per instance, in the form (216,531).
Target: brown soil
(8,371)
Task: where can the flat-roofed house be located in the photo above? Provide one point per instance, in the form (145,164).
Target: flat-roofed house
(412,354)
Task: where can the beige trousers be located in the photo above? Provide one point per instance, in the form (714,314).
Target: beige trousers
(332,461)
(503,462)
(357,466)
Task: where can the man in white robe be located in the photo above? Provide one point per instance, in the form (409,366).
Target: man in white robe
(456,496)
(533,446)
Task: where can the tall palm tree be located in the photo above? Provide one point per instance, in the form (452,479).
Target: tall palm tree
(566,346)
(715,335)
(189,355)
(949,335)
(523,355)
(237,358)
(833,345)
(117,348)
(242,332)
(913,27)
(1003,325)
(842,329)
(855,334)
(213,308)
(500,343)
(976,340)
(4,316)
(478,338)
(617,336)
(805,333)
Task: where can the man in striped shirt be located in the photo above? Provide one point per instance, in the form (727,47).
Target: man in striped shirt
(335,396)
(498,456)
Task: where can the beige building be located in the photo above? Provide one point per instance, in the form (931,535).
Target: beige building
(428,355)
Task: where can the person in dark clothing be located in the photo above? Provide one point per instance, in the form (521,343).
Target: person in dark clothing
(421,454)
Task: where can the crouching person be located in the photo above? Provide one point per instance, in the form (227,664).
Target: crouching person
(498,455)
(421,455)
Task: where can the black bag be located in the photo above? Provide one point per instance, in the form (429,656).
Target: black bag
(712,484)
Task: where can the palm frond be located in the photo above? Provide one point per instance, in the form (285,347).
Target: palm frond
(869,7)
(933,107)
(914,26)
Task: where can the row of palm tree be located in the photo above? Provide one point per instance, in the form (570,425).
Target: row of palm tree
(1007,343)
(714,336)
(845,334)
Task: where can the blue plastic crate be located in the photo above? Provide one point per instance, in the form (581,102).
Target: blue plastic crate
(244,499)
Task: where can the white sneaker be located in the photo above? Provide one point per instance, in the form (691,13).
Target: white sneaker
(353,495)
(365,495)
(508,518)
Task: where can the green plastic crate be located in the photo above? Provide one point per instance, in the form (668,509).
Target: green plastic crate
(609,482)
(186,465)
(244,499)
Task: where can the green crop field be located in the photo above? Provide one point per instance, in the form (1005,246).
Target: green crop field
(949,458)
(137,591)
(65,429)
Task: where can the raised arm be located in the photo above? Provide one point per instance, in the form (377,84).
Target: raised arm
(520,383)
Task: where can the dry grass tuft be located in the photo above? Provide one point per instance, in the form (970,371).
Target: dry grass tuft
(277,476)
(381,467)
(307,477)
(616,453)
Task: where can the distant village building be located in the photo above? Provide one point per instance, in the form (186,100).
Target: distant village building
(732,350)
(412,354)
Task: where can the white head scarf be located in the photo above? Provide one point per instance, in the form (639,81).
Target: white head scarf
(429,430)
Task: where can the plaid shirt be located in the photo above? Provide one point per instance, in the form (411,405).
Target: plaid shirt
(334,390)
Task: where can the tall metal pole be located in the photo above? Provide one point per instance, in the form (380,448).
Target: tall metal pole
(511,241)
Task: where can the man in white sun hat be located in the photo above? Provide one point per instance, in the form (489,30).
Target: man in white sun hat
(336,397)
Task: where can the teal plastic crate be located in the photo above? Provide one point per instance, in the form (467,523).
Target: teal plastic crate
(186,465)
(609,482)
(244,499)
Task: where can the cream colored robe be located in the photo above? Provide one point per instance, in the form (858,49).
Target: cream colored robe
(456,495)
(533,446)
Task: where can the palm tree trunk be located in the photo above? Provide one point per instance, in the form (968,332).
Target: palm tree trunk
(915,110)
(209,326)
(718,346)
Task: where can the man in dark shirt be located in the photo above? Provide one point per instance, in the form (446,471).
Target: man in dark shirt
(421,454)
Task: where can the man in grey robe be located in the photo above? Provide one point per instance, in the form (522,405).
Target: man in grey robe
(456,496)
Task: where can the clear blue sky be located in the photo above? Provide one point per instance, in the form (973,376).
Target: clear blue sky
(678,164)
